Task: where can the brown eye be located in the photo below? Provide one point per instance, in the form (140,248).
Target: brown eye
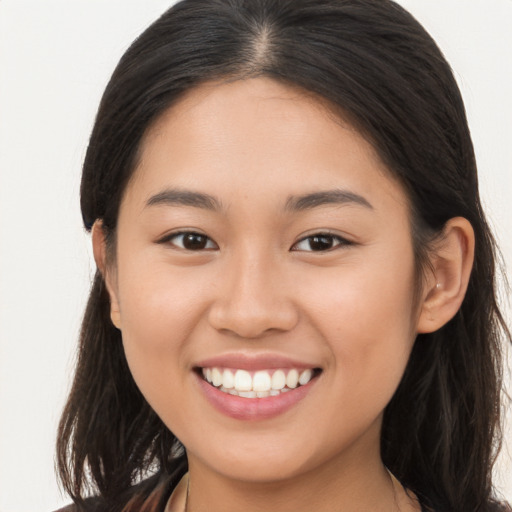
(194,242)
(191,241)
(319,242)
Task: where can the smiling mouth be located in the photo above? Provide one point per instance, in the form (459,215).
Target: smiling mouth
(259,384)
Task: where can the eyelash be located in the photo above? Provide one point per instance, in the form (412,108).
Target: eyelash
(321,237)
(337,240)
(173,236)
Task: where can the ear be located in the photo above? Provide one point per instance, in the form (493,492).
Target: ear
(445,287)
(99,246)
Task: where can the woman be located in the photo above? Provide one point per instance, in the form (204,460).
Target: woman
(295,305)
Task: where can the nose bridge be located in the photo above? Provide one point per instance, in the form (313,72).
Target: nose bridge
(253,298)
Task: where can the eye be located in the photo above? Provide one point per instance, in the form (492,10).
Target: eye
(320,242)
(190,241)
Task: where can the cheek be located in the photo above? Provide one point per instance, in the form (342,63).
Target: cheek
(362,301)
(157,297)
(365,313)
(159,309)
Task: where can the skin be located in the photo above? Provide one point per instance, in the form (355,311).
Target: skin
(258,288)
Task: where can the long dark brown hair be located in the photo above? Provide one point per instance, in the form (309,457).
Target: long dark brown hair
(374,63)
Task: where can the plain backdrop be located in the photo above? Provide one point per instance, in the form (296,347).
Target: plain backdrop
(55,60)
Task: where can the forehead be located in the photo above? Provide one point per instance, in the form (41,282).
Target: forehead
(257,134)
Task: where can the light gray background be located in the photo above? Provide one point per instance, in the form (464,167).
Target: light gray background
(55,59)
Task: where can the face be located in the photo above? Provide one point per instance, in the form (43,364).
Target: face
(261,241)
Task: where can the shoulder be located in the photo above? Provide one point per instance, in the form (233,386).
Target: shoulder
(92,504)
(501,507)
(156,489)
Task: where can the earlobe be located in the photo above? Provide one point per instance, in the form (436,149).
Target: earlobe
(445,288)
(100,256)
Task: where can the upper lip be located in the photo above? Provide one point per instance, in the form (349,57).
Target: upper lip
(253,362)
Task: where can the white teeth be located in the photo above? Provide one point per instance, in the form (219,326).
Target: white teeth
(278,380)
(216,377)
(259,385)
(305,377)
(247,394)
(243,381)
(228,380)
(261,381)
(292,379)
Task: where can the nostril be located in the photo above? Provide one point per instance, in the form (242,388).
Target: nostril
(251,321)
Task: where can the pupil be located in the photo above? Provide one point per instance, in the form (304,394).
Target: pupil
(193,241)
(320,243)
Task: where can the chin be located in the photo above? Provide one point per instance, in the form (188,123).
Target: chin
(264,461)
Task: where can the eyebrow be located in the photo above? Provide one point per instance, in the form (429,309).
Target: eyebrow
(180,197)
(326,197)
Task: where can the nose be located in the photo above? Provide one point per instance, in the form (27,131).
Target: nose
(253,299)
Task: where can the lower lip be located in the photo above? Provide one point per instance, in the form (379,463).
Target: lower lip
(254,409)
